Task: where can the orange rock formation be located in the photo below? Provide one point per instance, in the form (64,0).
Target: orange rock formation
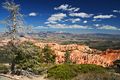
(79,54)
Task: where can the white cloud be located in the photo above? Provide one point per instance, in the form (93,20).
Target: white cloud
(85,21)
(73,20)
(96,25)
(56,17)
(67,26)
(94,20)
(104,16)
(108,27)
(32,14)
(66,7)
(40,27)
(116,11)
(82,14)
(62,7)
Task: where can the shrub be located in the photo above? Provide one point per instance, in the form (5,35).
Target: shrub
(62,72)
(116,66)
(3,69)
(67,71)
(87,68)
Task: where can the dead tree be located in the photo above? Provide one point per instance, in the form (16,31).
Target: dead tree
(14,22)
(15,25)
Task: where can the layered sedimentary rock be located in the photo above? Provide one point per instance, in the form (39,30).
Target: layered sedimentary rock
(79,54)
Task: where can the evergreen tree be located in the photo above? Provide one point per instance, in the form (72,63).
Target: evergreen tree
(48,55)
(67,57)
(26,56)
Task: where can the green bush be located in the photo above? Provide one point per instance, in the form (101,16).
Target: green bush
(116,66)
(88,68)
(62,72)
(3,69)
(67,71)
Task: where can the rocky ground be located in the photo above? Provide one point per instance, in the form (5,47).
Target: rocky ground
(34,78)
(11,77)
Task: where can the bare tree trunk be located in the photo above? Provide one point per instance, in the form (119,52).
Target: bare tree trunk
(14,23)
(13,45)
(13,67)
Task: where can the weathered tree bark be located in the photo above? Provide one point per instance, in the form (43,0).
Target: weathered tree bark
(13,67)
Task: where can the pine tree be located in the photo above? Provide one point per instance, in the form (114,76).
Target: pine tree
(48,55)
(67,57)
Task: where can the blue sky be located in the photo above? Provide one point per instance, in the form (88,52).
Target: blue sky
(82,16)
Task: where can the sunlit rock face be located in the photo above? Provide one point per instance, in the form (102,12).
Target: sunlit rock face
(110,56)
(104,59)
(85,58)
(79,54)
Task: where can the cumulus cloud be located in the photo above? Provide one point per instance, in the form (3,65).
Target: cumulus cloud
(104,16)
(62,7)
(66,7)
(32,14)
(94,20)
(108,27)
(116,11)
(56,17)
(81,14)
(73,20)
(67,26)
(85,21)
(40,27)
(96,25)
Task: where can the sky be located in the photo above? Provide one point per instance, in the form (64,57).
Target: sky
(76,16)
